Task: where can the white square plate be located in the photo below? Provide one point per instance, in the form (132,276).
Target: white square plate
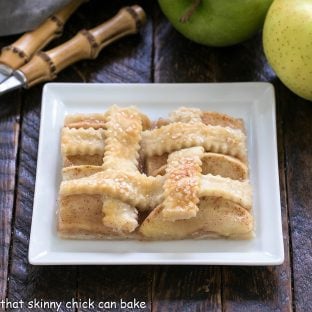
(254,102)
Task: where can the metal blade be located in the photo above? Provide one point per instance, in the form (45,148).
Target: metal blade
(5,72)
(3,77)
(10,84)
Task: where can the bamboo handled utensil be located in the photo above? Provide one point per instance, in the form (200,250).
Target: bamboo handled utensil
(21,51)
(85,45)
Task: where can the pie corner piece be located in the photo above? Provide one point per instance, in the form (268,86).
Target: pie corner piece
(184,177)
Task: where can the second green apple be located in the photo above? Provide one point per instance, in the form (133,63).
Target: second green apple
(287,40)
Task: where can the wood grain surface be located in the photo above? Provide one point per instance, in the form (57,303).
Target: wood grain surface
(186,288)
(9,134)
(297,116)
(157,54)
(116,286)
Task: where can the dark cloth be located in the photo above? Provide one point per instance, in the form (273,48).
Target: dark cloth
(18,16)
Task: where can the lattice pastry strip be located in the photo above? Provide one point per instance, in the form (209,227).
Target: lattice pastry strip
(95,121)
(146,192)
(82,141)
(195,115)
(119,216)
(135,189)
(176,136)
(182,185)
(123,135)
(186,114)
(239,192)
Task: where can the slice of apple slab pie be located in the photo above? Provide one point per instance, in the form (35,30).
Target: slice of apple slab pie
(182,177)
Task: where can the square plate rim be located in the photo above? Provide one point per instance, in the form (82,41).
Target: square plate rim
(61,258)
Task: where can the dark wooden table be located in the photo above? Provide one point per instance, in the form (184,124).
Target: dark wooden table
(159,54)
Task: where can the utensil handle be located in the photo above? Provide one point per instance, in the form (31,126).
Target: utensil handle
(85,45)
(21,51)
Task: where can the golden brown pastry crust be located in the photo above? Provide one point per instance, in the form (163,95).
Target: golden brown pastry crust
(95,121)
(175,136)
(82,141)
(196,184)
(182,184)
(123,135)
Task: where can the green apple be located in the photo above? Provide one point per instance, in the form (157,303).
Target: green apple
(287,41)
(216,22)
